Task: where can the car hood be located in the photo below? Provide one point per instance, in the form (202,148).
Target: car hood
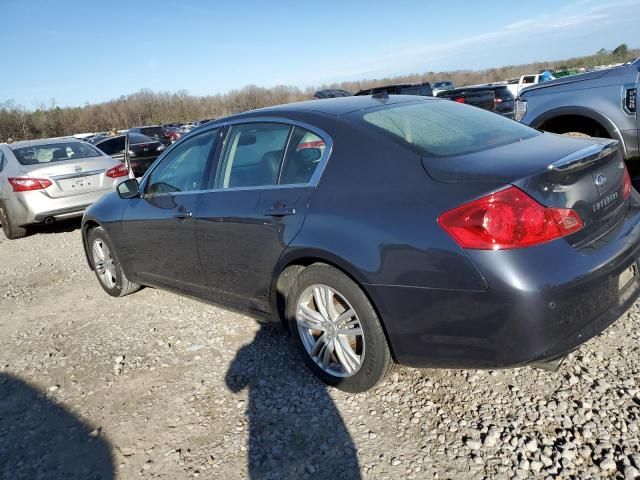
(566,80)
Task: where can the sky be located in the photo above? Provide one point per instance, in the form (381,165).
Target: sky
(80,51)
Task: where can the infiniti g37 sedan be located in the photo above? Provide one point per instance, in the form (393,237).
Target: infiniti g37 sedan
(384,230)
(46,180)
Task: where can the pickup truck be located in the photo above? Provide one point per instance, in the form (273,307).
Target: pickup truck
(518,84)
(601,103)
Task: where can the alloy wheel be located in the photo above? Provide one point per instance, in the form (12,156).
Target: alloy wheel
(330,331)
(103,263)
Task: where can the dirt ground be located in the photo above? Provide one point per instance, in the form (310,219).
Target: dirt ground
(155,385)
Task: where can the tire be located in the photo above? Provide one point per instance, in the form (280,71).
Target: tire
(106,265)
(11,231)
(369,348)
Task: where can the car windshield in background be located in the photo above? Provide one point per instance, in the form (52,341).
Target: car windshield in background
(135,138)
(54,152)
(442,128)
(441,84)
(152,131)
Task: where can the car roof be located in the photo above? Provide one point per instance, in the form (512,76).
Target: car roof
(335,106)
(42,141)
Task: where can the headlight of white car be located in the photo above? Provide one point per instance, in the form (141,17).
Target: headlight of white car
(521,109)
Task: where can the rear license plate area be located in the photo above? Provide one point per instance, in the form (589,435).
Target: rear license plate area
(627,276)
(80,184)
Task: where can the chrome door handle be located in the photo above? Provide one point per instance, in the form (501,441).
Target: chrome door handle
(279,212)
(183,215)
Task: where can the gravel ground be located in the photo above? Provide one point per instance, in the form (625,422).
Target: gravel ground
(159,386)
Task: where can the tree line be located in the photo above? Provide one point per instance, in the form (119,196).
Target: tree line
(149,108)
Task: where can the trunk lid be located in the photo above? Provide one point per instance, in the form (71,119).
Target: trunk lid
(586,175)
(73,177)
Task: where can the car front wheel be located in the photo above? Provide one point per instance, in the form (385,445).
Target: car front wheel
(106,265)
(337,330)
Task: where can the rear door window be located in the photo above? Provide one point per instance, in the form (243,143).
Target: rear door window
(303,156)
(252,155)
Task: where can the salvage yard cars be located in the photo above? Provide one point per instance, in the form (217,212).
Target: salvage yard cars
(42,181)
(384,229)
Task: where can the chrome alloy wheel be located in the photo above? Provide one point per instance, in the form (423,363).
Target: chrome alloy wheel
(330,331)
(103,263)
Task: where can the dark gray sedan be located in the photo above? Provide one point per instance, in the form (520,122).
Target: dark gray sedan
(382,230)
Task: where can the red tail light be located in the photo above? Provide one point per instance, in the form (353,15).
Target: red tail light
(508,219)
(459,100)
(24,184)
(117,171)
(626,186)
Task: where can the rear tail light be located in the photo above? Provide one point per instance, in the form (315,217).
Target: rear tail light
(117,171)
(459,100)
(626,185)
(508,219)
(25,184)
(521,109)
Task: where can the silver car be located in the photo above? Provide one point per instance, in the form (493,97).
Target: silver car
(50,179)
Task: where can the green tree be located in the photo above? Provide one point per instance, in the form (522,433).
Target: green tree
(621,50)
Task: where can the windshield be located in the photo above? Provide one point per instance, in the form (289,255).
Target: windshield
(445,128)
(441,84)
(54,152)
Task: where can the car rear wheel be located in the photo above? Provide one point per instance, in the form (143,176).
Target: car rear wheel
(11,230)
(337,330)
(107,267)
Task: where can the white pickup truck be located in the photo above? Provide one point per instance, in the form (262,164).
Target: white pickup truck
(516,84)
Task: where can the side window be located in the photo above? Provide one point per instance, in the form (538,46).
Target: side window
(252,155)
(1,160)
(303,157)
(113,146)
(183,169)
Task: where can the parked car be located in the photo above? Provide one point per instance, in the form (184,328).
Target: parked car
(517,84)
(401,228)
(42,181)
(442,86)
(601,103)
(155,132)
(143,151)
(174,133)
(423,89)
(497,98)
(477,97)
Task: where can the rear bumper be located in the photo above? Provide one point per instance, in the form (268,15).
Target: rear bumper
(541,303)
(27,208)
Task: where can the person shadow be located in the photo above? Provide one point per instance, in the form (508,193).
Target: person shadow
(41,440)
(295,429)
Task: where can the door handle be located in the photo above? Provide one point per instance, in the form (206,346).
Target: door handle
(279,211)
(183,215)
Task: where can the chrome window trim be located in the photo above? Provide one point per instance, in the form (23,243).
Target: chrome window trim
(313,182)
(88,173)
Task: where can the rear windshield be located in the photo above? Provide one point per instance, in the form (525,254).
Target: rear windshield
(138,138)
(54,152)
(152,130)
(444,128)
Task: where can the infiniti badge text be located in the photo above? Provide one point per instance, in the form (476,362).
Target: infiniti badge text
(605,202)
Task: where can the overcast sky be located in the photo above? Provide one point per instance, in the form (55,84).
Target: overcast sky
(80,51)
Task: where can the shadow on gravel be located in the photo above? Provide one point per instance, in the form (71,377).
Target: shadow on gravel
(39,439)
(295,430)
(61,226)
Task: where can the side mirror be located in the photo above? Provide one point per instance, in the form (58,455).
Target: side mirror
(129,188)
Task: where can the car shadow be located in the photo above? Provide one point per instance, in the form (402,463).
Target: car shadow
(41,439)
(61,226)
(295,429)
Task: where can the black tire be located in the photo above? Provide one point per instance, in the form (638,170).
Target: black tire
(122,286)
(377,362)
(11,230)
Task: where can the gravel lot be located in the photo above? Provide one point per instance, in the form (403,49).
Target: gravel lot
(159,386)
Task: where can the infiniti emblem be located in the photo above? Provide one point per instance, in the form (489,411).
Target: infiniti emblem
(601,180)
